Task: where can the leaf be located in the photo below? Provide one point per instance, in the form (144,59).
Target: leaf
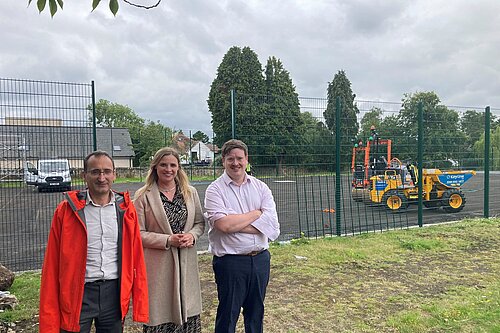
(113,5)
(53,7)
(41,5)
(61,3)
(95,3)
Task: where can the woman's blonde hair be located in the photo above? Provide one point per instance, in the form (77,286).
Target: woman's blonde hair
(152,177)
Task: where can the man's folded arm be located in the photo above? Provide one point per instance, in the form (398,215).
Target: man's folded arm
(267,223)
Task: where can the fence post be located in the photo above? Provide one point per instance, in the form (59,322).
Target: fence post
(213,161)
(420,162)
(190,157)
(338,106)
(233,116)
(94,125)
(487,116)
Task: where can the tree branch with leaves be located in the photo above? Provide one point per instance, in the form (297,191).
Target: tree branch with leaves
(113,5)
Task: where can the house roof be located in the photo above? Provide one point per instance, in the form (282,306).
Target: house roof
(40,142)
(213,148)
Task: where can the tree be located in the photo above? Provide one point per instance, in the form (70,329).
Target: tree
(371,118)
(147,136)
(442,138)
(113,5)
(240,70)
(200,136)
(317,143)
(341,87)
(279,128)
(472,124)
(152,137)
(109,114)
(494,148)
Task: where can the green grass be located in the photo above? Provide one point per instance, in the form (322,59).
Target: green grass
(442,278)
(12,184)
(465,309)
(25,288)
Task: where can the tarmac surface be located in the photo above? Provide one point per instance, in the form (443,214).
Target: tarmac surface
(305,204)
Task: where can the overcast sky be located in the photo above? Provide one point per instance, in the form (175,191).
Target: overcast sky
(161,62)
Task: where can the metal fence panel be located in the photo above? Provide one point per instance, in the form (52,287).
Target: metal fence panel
(39,120)
(299,165)
(294,152)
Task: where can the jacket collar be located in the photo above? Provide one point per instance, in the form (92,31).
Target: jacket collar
(153,197)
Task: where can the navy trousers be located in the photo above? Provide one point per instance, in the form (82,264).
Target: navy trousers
(241,283)
(101,305)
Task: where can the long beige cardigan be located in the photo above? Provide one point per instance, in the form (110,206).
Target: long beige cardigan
(173,279)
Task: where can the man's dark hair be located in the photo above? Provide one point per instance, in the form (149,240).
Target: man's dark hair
(233,144)
(97,153)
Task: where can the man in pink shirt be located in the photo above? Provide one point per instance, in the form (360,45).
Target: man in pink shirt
(242,219)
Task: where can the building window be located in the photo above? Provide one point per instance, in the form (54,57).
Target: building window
(117,148)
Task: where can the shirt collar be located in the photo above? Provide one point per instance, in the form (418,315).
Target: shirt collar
(227,180)
(89,200)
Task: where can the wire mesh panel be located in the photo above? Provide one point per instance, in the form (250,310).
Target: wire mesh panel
(45,132)
(293,148)
(493,180)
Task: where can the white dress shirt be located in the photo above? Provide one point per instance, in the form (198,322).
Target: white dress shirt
(102,238)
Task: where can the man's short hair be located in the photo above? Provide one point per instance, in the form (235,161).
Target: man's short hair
(233,144)
(97,153)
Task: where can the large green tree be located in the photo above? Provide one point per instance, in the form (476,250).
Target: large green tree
(267,111)
(282,118)
(153,136)
(110,114)
(241,71)
(341,87)
(146,136)
(443,139)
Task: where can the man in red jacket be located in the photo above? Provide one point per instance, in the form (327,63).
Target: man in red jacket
(94,261)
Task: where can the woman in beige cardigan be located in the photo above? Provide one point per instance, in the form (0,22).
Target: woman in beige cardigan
(171,220)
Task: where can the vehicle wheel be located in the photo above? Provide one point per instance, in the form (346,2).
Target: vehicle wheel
(453,201)
(40,190)
(394,200)
(433,202)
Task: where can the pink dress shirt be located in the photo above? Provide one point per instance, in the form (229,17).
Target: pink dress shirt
(223,197)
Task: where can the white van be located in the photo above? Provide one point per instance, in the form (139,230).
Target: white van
(50,174)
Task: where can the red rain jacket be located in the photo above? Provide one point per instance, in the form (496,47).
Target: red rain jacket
(63,272)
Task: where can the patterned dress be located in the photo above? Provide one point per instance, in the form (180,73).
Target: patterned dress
(177,216)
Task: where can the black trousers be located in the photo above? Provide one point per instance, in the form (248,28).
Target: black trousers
(101,306)
(241,283)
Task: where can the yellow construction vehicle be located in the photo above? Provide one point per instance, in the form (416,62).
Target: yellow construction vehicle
(398,187)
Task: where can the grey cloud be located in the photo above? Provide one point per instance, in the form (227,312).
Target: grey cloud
(161,62)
